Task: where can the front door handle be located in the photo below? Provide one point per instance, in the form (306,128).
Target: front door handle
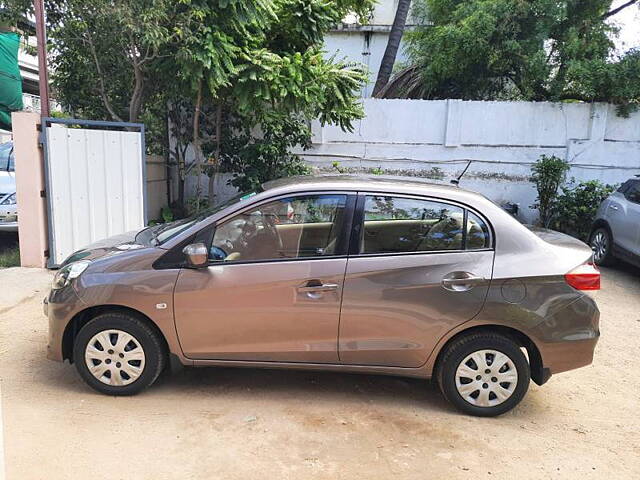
(461,281)
(312,287)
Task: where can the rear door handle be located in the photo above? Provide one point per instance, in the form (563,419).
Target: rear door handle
(613,207)
(461,281)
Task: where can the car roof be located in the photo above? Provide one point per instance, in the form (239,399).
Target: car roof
(370,184)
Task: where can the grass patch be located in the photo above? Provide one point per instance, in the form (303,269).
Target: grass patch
(9,251)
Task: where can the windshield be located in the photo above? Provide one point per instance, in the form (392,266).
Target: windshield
(159,234)
(7,160)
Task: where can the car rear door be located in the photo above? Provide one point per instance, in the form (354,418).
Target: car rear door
(418,267)
(273,287)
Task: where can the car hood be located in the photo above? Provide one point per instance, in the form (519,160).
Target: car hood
(111,246)
(7,183)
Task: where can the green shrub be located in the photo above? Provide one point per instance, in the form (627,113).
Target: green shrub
(576,207)
(549,173)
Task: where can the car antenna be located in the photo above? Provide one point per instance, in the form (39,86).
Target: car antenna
(456,181)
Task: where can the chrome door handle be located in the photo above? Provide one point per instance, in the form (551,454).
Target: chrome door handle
(325,287)
(613,207)
(461,281)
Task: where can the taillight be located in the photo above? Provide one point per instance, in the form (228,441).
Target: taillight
(584,277)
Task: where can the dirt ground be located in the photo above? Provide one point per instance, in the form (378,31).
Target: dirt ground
(245,424)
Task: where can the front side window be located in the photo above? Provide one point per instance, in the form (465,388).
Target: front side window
(633,192)
(7,159)
(405,225)
(294,227)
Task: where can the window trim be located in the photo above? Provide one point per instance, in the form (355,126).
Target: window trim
(358,221)
(341,245)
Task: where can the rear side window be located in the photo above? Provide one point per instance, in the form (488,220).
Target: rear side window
(625,186)
(405,225)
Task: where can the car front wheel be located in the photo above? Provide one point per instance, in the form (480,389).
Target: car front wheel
(484,374)
(118,354)
(601,243)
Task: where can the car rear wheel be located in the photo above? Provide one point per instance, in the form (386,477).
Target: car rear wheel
(601,243)
(118,354)
(484,374)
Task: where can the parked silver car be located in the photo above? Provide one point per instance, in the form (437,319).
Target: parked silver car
(8,205)
(616,230)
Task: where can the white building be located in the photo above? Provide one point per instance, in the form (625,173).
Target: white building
(366,43)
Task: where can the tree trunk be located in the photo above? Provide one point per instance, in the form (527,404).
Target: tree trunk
(135,103)
(395,36)
(213,173)
(197,144)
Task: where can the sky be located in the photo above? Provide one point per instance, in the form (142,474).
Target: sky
(629,22)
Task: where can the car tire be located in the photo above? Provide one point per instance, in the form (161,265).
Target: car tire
(601,242)
(119,354)
(489,389)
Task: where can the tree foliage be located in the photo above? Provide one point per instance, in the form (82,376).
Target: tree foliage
(505,49)
(576,207)
(247,76)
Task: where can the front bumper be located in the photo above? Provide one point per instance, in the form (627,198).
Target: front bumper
(60,307)
(8,226)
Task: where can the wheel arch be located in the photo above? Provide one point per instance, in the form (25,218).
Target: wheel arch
(81,318)
(539,374)
(600,223)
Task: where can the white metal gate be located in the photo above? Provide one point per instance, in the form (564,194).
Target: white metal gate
(95,179)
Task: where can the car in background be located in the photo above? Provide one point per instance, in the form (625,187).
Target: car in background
(342,274)
(616,230)
(8,205)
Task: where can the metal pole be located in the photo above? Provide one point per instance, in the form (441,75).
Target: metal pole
(41,36)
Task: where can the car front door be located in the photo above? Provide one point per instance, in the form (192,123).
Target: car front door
(633,217)
(273,287)
(422,267)
(624,217)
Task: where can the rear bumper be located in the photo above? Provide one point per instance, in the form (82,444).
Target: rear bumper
(561,357)
(568,338)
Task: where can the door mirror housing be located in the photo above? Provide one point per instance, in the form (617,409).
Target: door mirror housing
(197,255)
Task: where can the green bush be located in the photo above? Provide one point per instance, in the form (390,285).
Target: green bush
(549,173)
(576,207)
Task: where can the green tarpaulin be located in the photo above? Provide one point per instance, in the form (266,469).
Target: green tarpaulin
(10,80)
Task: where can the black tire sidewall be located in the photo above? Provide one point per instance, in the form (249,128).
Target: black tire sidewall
(465,346)
(149,341)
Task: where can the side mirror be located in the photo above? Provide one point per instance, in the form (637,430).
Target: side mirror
(197,255)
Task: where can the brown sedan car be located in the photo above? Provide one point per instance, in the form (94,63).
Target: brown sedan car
(334,273)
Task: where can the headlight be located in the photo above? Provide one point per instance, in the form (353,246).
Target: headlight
(10,200)
(67,273)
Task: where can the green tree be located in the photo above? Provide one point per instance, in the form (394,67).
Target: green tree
(506,49)
(255,64)
(549,173)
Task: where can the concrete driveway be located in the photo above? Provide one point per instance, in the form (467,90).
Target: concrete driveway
(245,424)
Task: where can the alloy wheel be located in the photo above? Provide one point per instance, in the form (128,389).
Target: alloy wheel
(115,357)
(600,245)
(486,378)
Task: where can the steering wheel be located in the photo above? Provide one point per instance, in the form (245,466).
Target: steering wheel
(217,253)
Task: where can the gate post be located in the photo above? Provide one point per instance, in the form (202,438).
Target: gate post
(30,190)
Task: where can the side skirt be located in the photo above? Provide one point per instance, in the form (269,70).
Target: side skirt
(624,254)
(327,367)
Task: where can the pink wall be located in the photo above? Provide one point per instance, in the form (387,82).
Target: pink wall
(32,208)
